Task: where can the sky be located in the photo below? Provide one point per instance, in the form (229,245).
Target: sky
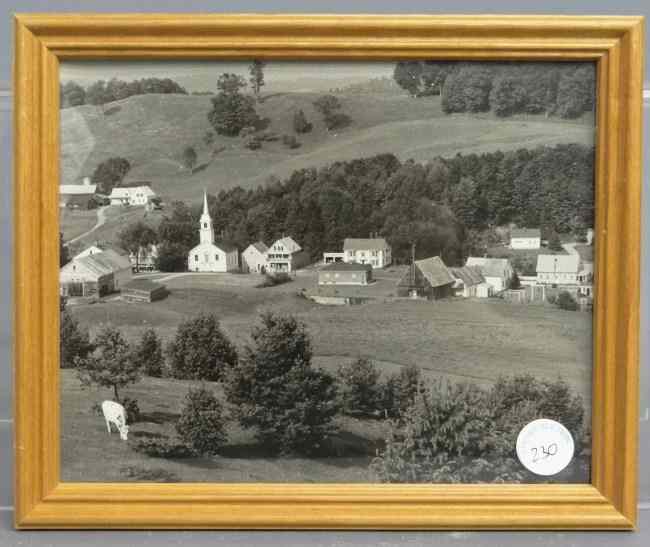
(202,75)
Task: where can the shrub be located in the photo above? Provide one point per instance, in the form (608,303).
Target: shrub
(253,143)
(399,390)
(275,390)
(162,447)
(566,301)
(290,141)
(132,410)
(200,350)
(300,123)
(201,424)
(271,280)
(463,433)
(359,391)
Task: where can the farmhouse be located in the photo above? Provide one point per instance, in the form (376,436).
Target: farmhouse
(131,195)
(208,255)
(558,269)
(496,271)
(427,278)
(342,273)
(95,274)
(143,290)
(78,195)
(285,256)
(253,259)
(373,251)
(525,238)
(470,282)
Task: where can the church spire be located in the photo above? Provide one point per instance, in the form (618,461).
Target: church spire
(205,203)
(206,231)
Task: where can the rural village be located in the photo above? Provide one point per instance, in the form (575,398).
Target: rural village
(441,292)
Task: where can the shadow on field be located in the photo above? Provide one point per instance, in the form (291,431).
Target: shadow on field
(158,417)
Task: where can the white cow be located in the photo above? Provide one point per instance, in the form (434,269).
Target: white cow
(114,413)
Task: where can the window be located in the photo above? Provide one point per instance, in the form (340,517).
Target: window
(205,224)
(350,253)
(216,257)
(196,258)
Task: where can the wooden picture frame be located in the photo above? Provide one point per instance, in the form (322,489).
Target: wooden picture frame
(608,503)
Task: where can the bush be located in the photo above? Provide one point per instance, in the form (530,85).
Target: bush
(162,447)
(271,280)
(275,390)
(200,350)
(359,391)
(201,425)
(399,390)
(132,410)
(566,301)
(463,433)
(253,143)
(300,123)
(290,141)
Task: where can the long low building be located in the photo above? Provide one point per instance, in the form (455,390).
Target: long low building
(96,274)
(143,290)
(345,273)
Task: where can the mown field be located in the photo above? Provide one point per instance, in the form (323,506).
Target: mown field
(456,340)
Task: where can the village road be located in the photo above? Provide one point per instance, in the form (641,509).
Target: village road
(101,220)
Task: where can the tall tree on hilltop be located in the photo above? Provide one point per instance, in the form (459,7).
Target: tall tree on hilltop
(256,71)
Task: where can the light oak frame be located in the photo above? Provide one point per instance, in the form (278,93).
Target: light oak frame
(42,501)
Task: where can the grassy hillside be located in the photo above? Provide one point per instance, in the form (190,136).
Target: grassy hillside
(152,130)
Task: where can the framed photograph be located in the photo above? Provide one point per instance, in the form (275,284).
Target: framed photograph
(289,272)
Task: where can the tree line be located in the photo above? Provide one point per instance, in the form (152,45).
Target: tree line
(446,206)
(101,92)
(567,90)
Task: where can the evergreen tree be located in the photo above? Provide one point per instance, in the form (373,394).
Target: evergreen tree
(275,389)
(231,110)
(200,350)
(74,342)
(201,424)
(148,354)
(256,71)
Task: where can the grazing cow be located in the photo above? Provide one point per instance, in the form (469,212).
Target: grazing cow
(114,414)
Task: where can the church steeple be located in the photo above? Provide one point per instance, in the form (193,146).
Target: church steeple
(206,232)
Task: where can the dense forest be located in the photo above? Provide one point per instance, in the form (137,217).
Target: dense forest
(102,92)
(446,206)
(566,90)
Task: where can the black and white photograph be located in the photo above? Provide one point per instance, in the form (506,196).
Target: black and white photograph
(325,272)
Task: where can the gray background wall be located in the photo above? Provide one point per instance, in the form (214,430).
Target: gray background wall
(69,539)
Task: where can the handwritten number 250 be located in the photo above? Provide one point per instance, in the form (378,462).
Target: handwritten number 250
(544,452)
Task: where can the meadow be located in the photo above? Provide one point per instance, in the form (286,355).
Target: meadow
(151,131)
(453,339)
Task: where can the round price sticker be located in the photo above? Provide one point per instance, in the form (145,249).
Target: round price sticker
(545,447)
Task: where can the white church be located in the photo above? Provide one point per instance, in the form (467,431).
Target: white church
(209,256)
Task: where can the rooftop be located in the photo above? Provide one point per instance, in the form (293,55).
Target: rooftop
(347,267)
(490,267)
(526,232)
(558,263)
(469,275)
(364,244)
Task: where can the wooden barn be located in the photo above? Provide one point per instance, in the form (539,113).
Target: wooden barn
(428,278)
(144,290)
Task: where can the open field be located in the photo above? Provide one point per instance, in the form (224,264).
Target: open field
(152,130)
(474,340)
(455,340)
(74,222)
(88,453)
